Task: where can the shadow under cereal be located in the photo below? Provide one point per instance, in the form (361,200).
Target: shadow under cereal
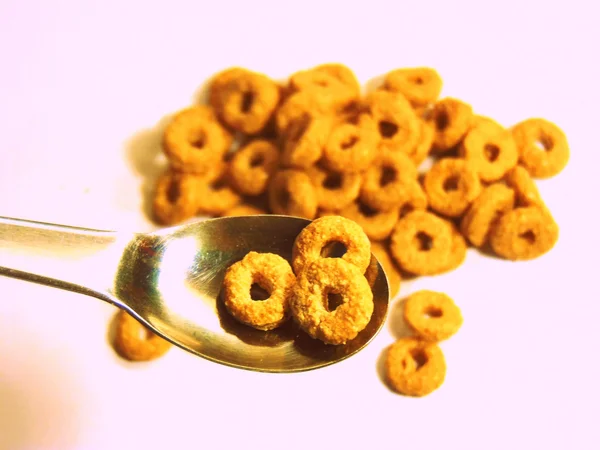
(397,325)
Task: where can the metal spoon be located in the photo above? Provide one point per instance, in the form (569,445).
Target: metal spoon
(170,281)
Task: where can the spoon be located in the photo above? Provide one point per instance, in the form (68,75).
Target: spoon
(170,280)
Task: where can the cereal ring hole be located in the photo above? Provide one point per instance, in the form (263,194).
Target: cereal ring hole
(424,241)
(491,152)
(198,141)
(544,142)
(247,101)
(451,183)
(433,313)
(419,357)
(299,127)
(284,198)
(332,181)
(350,142)
(442,120)
(388,175)
(529,236)
(333,301)
(173,192)
(257,160)
(218,184)
(258,293)
(417,80)
(366,211)
(406,209)
(333,249)
(387,129)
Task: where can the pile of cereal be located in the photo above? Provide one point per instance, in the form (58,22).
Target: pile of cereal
(316,146)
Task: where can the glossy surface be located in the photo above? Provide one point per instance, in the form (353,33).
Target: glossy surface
(171,280)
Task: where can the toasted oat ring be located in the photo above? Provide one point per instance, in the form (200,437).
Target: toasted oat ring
(298,105)
(378,225)
(421,150)
(491,149)
(252,166)
(194,141)
(452,119)
(494,200)
(398,126)
(420,85)
(432,315)
(414,367)
(548,159)
(304,140)
(527,193)
(381,253)
(334,190)
(292,193)
(343,74)
(351,147)
(451,185)
(273,274)
(243,210)
(524,234)
(333,84)
(216,196)
(135,342)
(310,303)
(244,100)
(384,182)
(176,197)
(422,243)
(311,241)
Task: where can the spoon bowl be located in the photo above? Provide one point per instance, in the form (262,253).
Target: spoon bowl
(170,280)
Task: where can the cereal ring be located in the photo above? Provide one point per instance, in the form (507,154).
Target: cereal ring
(420,152)
(136,342)
(485,210)
(398,126)
(451,185)
(491,150)
(176,197)
(543,147)
(326,86)
(351,147)
(252,166)
(194,141)
(292,193)
(420,85)
(384,183)
(334,190)
(244,210)
(414,367)
(310,302)
(304,140)
(343,74)
(527,193)
(271,273)
(244,100)
(422,243)
(524,234)
(216,197)
(298,105)
(377,224)
(432,315)
(315,237)
(452,119)
(382,254)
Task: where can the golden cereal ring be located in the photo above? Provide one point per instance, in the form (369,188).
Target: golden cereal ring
(244,210)
(298,105)
(451,185)
(422,243)
(384,183)
(273,274)
(414,367)
(292,193)
(175,198)
(304,140)
(378,225)
(343,74)
(491,150)
(334,190)
(420,152)
(494,200)
(432,315)
(244,100)
(135,342)
(216,196)
(452,119)
(194,141)
(397,123)
(458,252)
(311,241)
(351,147)
(326,86)
(381,253)
(252,166)
(552,154)
(310,303)
(524,234)
(527,193)
(420,85)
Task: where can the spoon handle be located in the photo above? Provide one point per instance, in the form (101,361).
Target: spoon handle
(76,259)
